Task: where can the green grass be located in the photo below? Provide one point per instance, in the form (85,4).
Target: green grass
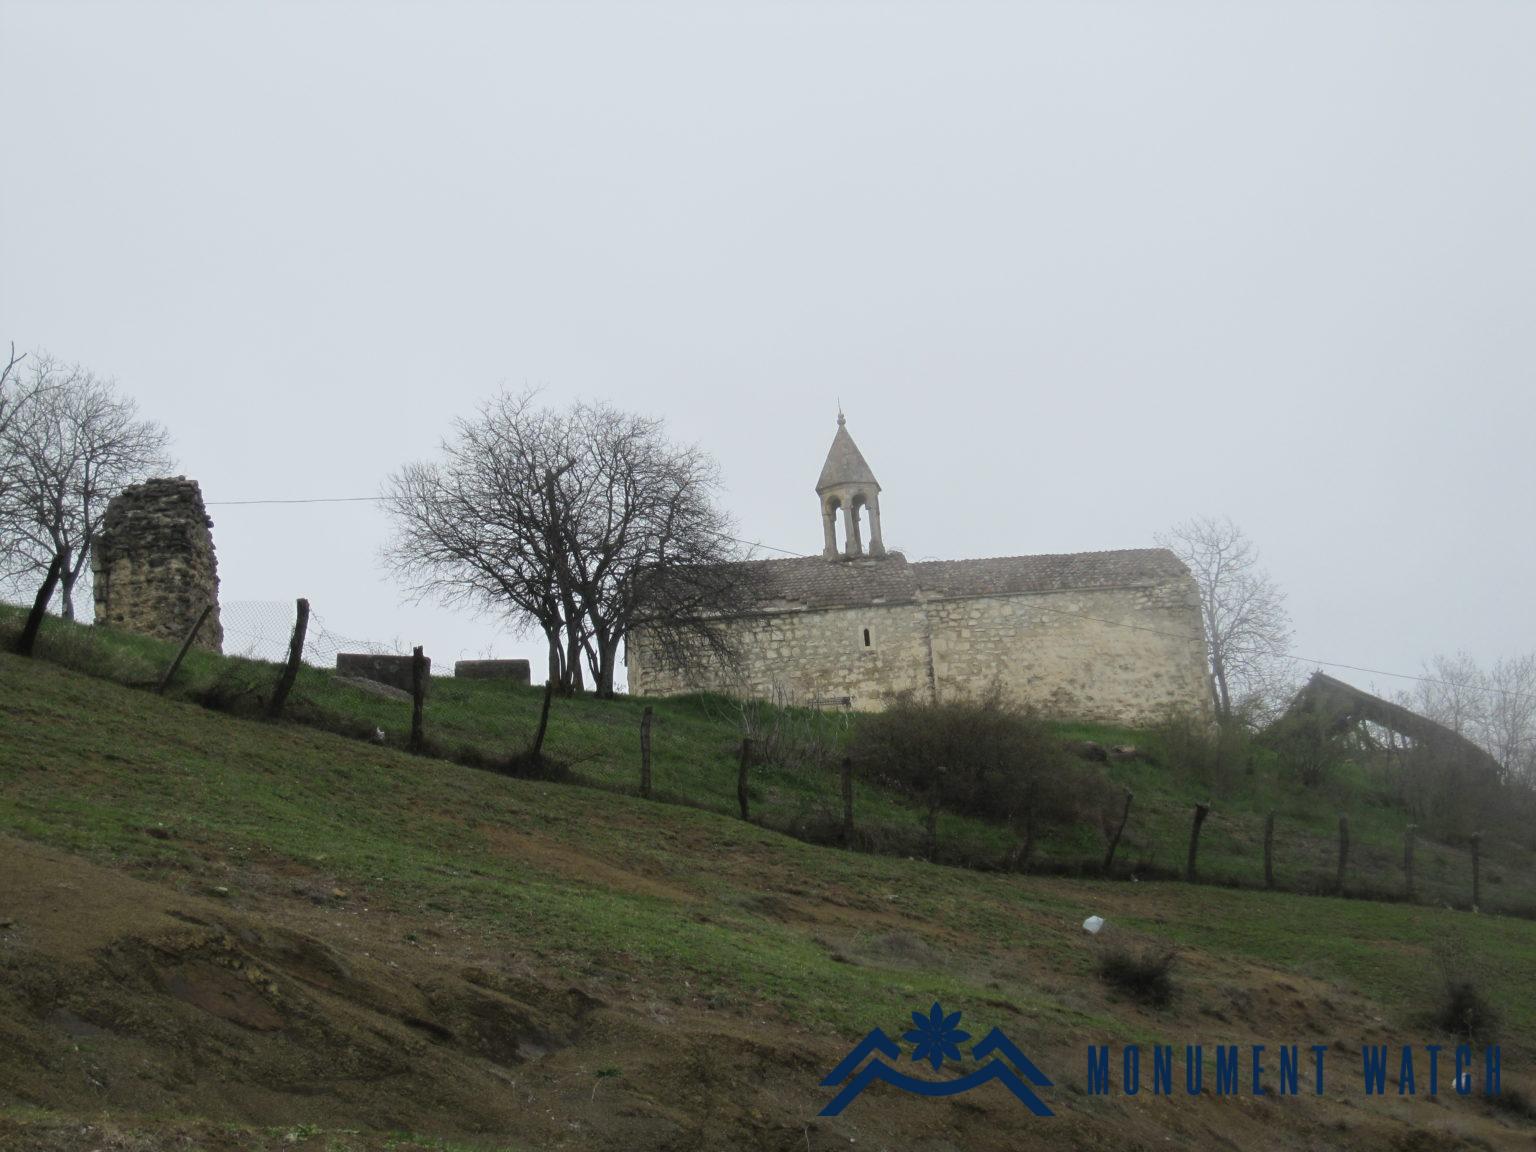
(695,748)
(423,831)
(731,930)
(89,766)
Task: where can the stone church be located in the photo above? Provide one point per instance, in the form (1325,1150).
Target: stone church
(1107,636)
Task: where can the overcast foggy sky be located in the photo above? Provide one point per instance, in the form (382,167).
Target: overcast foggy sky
(1076,271)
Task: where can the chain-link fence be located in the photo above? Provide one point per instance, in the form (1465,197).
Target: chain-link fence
(262,629)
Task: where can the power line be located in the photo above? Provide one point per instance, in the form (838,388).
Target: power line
(312,500)
(377,499)
(769,547)
(1059,611)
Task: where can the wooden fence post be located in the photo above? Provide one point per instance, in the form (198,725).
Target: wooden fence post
(741,776)
(931,820)
(536,753)
(1477,888)
(1109,856)
(1269,851)
(1027,850)
(1201,812)
(182,654)
(1338,883)
(1408,835)
(291,669)
(28,637)
(847,774)
(645,753)
(418,692)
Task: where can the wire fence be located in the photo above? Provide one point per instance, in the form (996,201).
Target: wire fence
(262,629)
(1367,856)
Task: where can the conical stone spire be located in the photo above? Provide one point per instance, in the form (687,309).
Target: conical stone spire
(845,463)
(848,485)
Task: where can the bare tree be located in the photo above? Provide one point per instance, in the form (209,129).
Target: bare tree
(647,545)
(1454,692)
(1457,788)
(1246,625)
(474,527)
(1495,708)
(583,523)
(71,443)
(1511,716)
(11,396)
(8,378)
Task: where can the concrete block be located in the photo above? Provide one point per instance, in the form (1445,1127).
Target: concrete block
(515,670)
(392,670)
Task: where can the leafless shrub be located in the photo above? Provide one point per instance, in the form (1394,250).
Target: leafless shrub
(1461,1006)
(984,757)
(788,735)
(1144,974)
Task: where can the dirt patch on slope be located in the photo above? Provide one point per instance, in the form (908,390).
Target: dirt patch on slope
(123,994)
(579,866)
(126,998)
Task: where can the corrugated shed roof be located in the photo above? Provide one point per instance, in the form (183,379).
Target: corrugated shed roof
(1347,704)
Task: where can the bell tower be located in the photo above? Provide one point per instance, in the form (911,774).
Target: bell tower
(849,487)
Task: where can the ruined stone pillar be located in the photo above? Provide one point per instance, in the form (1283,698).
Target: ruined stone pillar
(153,564)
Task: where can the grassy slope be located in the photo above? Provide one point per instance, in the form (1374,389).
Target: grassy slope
(696,741)
(640,902)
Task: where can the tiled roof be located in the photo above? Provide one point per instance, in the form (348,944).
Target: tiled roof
(1016,574)
(815,582)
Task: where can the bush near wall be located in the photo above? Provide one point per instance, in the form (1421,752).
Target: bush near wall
(984,757)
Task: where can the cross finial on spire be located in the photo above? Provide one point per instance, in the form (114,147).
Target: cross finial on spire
(841,421)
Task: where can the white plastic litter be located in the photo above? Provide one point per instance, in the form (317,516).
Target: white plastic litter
(1093,924)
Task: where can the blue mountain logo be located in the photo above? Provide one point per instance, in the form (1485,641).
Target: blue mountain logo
(936,1038)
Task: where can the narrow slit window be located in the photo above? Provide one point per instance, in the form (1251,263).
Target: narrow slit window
(866,637)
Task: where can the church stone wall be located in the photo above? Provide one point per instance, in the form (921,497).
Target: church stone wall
(802,656)
(1069,653)
(153,564)
(1124,655)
